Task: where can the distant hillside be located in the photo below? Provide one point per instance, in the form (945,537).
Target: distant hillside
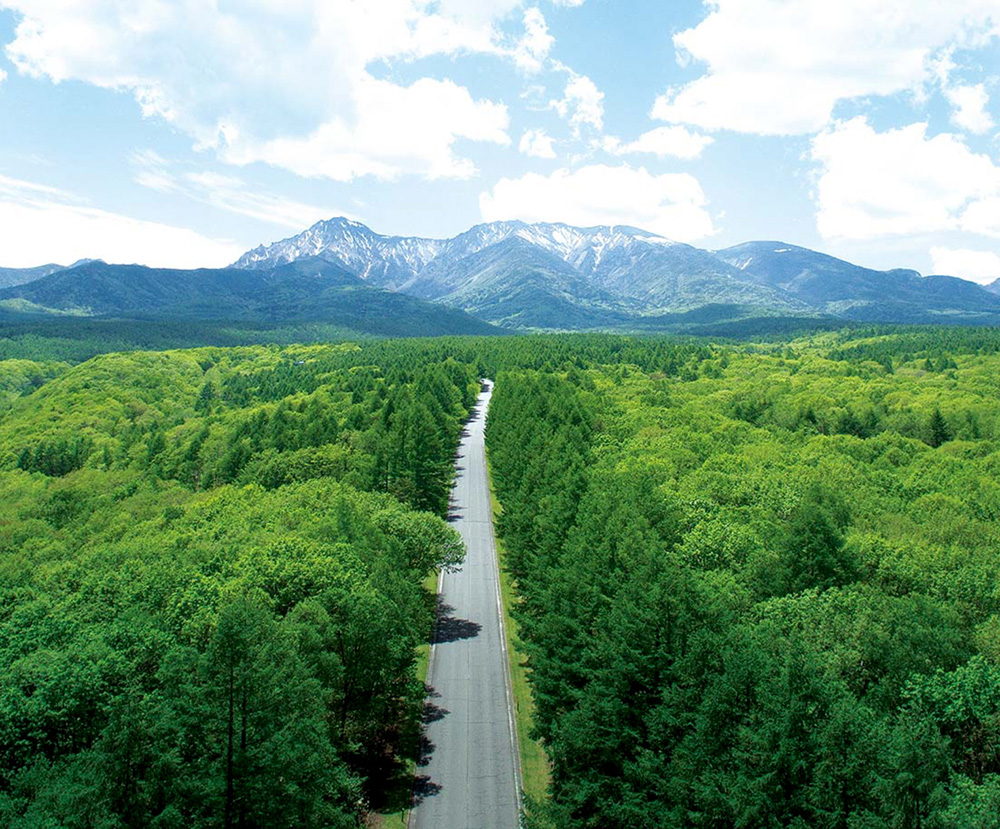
(523,275)
(308,290)
(20,276)
(836,287)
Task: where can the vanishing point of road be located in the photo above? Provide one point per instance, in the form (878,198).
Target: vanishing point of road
(470,775)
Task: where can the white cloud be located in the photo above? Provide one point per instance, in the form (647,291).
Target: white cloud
(568,3)
(534,47)
(969,108)
(150,169)
(675,141)
(44,224)
(983,216)
(671,204)
(232,194)
(3,76)
(397,130)
(287,83)
(776,67)
(225,192)
(897,182)
(582,103)
(537,143)
(975,265)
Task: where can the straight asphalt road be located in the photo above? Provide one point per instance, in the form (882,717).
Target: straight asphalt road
(469,777)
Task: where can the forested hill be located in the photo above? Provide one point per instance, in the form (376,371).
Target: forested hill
(20,276)
(306,291)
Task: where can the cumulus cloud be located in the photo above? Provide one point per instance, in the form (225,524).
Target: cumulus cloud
(983,216)
(290,84)
(582,104)
(673,205)
(44,224)
(675,141)
(534,47)
(537,143)
(225,192)
(775,67)
(397,130)
(899,182)
(975,265)
(969,108)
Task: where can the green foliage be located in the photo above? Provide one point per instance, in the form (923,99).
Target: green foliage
(758,588)
(211,568)
(937,429)
(812,552)
(755,583)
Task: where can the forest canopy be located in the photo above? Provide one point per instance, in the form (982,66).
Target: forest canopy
(211,568)
(760,589)
(756,582)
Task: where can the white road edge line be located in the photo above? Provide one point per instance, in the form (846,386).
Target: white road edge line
(508,681)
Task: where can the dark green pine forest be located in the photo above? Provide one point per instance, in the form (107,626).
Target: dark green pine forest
(759,585)
(756,582)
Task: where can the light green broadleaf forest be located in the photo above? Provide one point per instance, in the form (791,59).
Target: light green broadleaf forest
(755,583)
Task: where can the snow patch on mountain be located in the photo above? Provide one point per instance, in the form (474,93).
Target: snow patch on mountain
(395,261)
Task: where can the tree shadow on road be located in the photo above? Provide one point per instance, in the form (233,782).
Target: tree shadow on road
(450,628)
(423,786)
(454,512)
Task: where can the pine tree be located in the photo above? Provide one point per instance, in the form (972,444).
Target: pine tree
(938,429)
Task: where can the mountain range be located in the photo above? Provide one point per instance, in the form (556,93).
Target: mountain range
(508,274)
(557,276)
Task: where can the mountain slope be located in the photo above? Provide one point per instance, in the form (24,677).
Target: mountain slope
(517,284)
(20,276)
(384,261)
(517,275)
(837,287)
(590,277)
(308,290)
(679,277)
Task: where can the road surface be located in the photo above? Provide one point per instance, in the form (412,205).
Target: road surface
(468,776)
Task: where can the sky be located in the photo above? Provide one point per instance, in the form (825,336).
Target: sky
(180,133)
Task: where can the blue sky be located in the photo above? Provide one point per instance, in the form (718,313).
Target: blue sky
(182,132)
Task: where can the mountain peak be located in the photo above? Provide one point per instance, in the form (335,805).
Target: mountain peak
(506,270)
(398,262)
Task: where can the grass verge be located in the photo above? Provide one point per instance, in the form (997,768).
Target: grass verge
(535,769)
